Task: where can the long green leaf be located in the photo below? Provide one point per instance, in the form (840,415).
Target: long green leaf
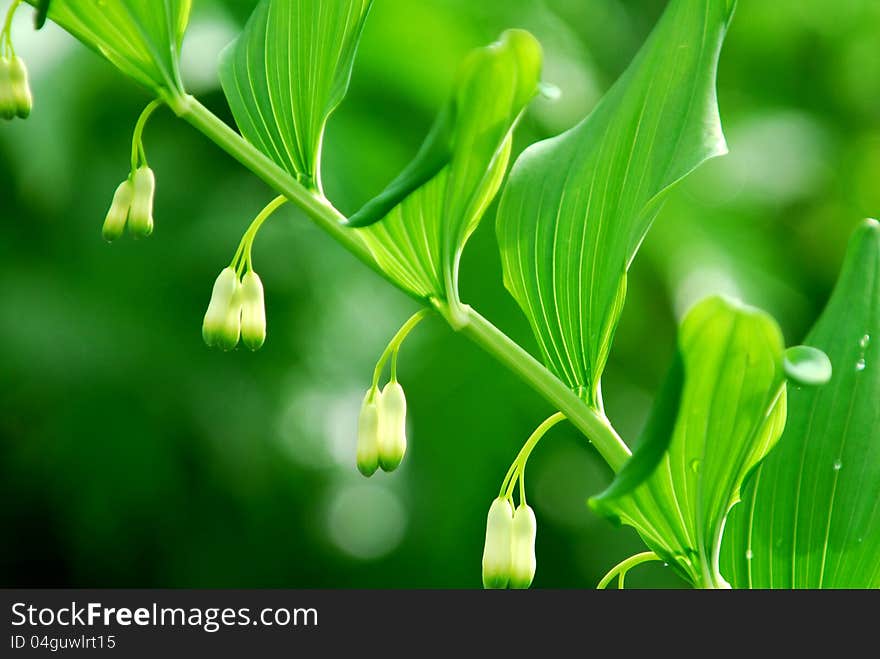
(578,206)
(140,37)
(810,516)
(655,438)
(287,72)
(420,241)
(732,413)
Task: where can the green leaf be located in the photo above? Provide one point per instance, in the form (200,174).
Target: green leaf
(142,38)
(807,366)
(433,207)
(578,206)
(732,413)
(655,438)
(810,516)
(286,74)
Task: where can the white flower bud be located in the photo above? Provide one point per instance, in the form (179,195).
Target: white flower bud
(497,550)
(222,323)
(392,426)
(522,553)
(140,219)
(21,89)
(368,434)
(114,223)
(7,98)
(253,311)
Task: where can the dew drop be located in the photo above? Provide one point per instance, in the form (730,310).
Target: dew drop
(695,466)
(749,554)
(665,564)
(837,464)
(860,365)
(864,341)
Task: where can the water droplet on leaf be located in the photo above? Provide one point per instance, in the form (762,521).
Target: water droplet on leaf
(860,365)
(865,340)
(695,466)
(749,554)
(838,464)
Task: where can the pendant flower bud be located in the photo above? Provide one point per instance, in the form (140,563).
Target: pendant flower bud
(222,324)
(21,89)
(253,311)
(392,427)
(522,552)
(114,223)
(497,550)
(140,220)
(7,98)
(368,434)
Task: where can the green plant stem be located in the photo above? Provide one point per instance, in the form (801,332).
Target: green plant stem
(625,566)
(519,464)
(318,209)
(592,423)
(6,34)
(394,347)
(246,246)
(137,144)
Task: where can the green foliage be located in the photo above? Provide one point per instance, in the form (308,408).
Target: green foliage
(287,73)
(578,206)
(571,220)
(654,440)
(809,516)
(464,159)
(140,37)
(732,412)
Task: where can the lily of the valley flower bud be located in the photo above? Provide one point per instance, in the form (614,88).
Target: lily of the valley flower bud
(21,89)
(368,434)
(7,98)
(392,426)
(222,324)
(497,550)
(114,223)
(140,219)
(522,548)
(253,311)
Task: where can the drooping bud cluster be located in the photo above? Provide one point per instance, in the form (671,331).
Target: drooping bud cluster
(382,422)
(132,206)
(382,429)
(16,99)
(509,551)
(236,311)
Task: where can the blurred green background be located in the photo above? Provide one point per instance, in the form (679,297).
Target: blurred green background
(131,455)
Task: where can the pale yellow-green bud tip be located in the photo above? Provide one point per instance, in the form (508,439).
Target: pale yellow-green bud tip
(114,223)
(7,98)
(140,220)
(253,311)
(392,426)
(21,89)
(222,324)
(368,434)
(522,554)
(497,550)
